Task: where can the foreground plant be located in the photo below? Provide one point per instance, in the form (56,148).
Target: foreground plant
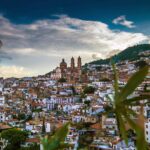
(15,138)
(56,142)
(120,105)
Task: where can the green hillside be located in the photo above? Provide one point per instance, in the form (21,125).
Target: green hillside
(131,53)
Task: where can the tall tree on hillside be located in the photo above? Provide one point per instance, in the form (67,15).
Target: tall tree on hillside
(43,126)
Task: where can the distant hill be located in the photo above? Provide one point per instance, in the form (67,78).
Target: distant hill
(130,53)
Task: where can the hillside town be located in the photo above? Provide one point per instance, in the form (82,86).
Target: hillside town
(74,74)
(75,94)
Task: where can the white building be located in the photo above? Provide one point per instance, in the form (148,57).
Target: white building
(109,123)
(2,116)
(122,146)
(38,127)
(147,130)
(2,100)
(56,74)
(1,87)
(72,138)
(3,144)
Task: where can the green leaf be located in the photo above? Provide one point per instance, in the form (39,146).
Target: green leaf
(133,83)
(141,144)
(129,120)
(131,112)
(62,132)
(122,105)
(139,133)
(116,87)
(121,127)
(136,99)
(56,141)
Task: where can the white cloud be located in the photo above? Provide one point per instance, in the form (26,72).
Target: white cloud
(15,71)
(42,44)
(123,21)
(24,51)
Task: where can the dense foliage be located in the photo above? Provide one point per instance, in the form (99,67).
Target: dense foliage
(61,80)
(15,138)
(21,116)
(32,147)
(88,90)
(85,140)
(140,64)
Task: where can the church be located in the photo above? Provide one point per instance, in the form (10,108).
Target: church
(73,73)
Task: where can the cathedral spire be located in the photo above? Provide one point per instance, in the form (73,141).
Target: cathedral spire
(79,63)
(72,63)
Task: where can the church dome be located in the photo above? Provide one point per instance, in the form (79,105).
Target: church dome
(63,64)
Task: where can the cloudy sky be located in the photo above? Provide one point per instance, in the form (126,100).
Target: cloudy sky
(37,34)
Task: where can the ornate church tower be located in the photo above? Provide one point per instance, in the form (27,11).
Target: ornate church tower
(79,63)
(72,63)
(63,65)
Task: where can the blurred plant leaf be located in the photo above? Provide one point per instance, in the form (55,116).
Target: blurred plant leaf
(136,99)
(56,141)
(116,87)
(122,106)
(133,83)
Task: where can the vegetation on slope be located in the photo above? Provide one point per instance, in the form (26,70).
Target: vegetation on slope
(131,53)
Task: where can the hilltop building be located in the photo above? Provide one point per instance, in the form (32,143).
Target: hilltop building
(72,74)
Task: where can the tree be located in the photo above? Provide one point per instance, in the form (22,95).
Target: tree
(21,116)
(145,88)
(32,147)
(29,117)
(85,140)
(15,138)
(62,80)
(82,95)
(87,103)
(120,106)
(104,80)
(43,126)
(89,90)
(140,64)
(73,90)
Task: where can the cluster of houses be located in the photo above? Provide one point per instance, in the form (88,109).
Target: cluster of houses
(25,102)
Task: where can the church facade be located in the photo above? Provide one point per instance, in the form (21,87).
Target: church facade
(73,73)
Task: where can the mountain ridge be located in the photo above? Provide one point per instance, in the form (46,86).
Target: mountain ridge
(130,53)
